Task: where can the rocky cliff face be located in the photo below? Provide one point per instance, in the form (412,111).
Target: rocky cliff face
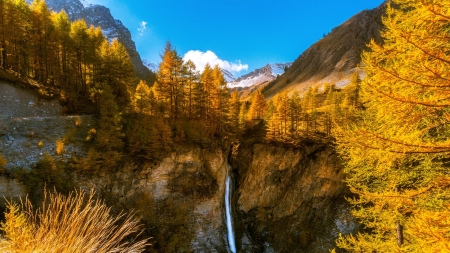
(180,198)
(290,199)
(99,15)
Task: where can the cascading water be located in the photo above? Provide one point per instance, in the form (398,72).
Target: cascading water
(229,217)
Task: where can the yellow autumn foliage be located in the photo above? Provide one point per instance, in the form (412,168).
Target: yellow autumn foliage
(397,149)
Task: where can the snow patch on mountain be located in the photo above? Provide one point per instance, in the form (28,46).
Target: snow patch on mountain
(259,76)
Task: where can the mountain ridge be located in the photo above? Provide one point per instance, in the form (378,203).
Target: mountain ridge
(334,58)
(262,75)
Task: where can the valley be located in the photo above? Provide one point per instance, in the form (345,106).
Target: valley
(344,149)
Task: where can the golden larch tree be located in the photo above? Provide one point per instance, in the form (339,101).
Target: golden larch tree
(397,152)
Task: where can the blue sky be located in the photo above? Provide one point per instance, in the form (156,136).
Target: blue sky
(245,34)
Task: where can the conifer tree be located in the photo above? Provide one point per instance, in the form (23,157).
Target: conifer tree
(257,107)
(207,80)
(295,110)
(115,71)
(235,106)
(169,80)
(3,36)
(243,116)
(41,30)
(192,77)
(144,139)
(17,23)
(282,105)
(109,135)
(60,70)
(221,96)
(141,98)
(79,37)
(397,150)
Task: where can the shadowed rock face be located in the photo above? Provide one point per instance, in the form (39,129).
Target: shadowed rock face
(333,58)
(290,200)
(180,199)
(99,15)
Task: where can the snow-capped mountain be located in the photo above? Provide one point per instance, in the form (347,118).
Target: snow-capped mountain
(263,75)
(99,15)
(153,67)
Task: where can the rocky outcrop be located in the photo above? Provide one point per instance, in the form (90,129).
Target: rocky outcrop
(290,199)
(180,198)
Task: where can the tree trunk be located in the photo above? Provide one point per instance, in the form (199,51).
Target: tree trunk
(399,234)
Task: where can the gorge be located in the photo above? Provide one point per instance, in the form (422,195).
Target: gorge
(286,199)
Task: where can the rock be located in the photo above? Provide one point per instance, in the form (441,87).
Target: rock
(10,138)
(10,188)
(291,199)
(185,191)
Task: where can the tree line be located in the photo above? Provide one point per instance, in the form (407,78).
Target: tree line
(291,118)
(184,104)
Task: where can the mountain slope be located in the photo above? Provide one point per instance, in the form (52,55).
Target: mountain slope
(229,77)
(334,58)
(99,15)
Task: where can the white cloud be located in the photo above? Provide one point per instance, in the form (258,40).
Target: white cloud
(200,60)
(142,27)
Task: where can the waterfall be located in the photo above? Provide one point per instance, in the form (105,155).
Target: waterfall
(228,189)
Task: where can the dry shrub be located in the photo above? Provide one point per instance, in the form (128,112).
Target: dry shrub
(78,121)
(40,144)
(59,146)
(68,224)
(91,134)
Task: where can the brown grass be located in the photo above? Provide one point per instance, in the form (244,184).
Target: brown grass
(68,225)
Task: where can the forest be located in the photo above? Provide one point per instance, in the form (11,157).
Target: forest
(390,128)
